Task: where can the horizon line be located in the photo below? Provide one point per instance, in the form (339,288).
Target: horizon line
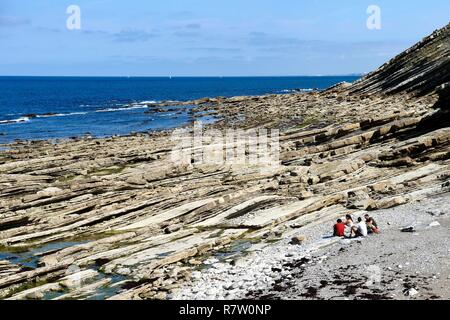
(184,76)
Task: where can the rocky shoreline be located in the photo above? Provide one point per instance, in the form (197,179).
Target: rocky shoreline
(116,218)
(391,265)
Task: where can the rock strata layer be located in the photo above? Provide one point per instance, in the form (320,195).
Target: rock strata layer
(420,69)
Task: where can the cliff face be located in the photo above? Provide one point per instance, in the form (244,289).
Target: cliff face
(420,69)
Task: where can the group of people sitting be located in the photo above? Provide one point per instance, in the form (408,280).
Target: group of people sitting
(349,229)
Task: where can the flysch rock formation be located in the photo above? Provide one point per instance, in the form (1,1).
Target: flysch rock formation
(116,218)
(420,69)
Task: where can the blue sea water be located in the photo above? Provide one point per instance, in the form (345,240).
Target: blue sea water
(35,108)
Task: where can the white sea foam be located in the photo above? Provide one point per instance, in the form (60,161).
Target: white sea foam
(167,114)
(122,109)
(60,114)
(297,90)
(27,119)
(18,120)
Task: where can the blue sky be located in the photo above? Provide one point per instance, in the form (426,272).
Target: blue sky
(209,37)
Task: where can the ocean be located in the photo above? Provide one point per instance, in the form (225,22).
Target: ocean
(36,108)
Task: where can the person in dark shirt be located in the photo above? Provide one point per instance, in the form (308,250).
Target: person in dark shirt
(372,225)
(339,229)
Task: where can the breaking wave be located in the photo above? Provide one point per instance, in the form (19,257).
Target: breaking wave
(18,120)
(298,90)
(60,114)
(139,106)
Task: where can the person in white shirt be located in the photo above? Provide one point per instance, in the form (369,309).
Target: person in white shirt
(361,228)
